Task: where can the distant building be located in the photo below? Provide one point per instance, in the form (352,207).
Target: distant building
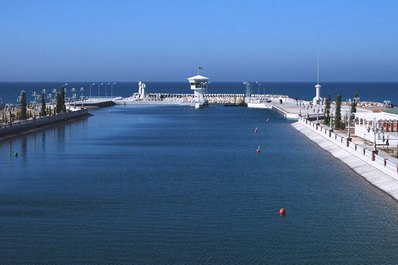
(199,85)
(380,125)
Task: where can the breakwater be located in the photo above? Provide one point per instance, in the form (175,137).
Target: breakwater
(377,167)
(17,127)
(183,99)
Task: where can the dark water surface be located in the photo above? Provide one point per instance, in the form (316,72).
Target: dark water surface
(175,185)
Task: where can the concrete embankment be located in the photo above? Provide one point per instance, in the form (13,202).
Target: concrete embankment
(32,124)
(377,169)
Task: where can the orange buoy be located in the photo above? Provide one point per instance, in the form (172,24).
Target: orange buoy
(282,211)
(258,150)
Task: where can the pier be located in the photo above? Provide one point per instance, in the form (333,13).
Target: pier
(17,127)
(288,107)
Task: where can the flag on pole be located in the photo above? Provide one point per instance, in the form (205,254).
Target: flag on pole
(199,68)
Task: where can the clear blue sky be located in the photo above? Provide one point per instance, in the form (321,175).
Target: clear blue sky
(159,40)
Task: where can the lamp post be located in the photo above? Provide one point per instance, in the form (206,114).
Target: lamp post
(73,97)
(349,126)
(375,130)
(93,84)
(34,95)
(82,96)
(112,89)
(99,89)
(258,87)
(248,89)
(300,110)
(106,89)
(50,100)
(65,89)
(374,141)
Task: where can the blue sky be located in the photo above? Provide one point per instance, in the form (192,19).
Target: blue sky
(156,40)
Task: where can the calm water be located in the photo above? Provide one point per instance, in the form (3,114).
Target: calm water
(174,185)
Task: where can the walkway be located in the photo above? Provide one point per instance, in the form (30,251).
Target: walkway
(379,179)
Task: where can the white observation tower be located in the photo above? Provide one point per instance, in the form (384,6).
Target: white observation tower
(199,85)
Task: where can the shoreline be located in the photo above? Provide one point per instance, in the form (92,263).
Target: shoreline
(377,169)
(30,125)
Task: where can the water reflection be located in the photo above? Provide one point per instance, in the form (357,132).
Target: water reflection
(37,142)
(24,144)
(43,140)
(60,138)
(9,145)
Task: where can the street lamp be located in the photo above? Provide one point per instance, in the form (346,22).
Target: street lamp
(300,109)
(50,99)
(258,87)
(349,123)
(112,89)
(375,130)
(73,97)
(106,89)
(65,85)
(99,89)
(82,96)
(248,89)
(34,95)
(93,84)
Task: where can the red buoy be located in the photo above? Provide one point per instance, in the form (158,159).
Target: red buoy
(282,211)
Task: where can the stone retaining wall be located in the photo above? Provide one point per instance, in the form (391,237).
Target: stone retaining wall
(27,125)
(385,164)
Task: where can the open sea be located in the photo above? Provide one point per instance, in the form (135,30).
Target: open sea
(175,185)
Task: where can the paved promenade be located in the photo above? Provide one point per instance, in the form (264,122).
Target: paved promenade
(385,177)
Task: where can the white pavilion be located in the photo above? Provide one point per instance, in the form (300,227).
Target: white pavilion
(381,126)
(199,84)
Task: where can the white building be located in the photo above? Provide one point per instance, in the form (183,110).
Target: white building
(141,89)
(199,85)
(381,126)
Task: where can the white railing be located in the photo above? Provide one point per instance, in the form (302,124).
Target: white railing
(365,153)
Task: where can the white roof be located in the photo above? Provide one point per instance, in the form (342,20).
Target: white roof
(377,115)
(198,78)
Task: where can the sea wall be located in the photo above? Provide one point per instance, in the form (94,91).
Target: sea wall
(8,130)
(378,169)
